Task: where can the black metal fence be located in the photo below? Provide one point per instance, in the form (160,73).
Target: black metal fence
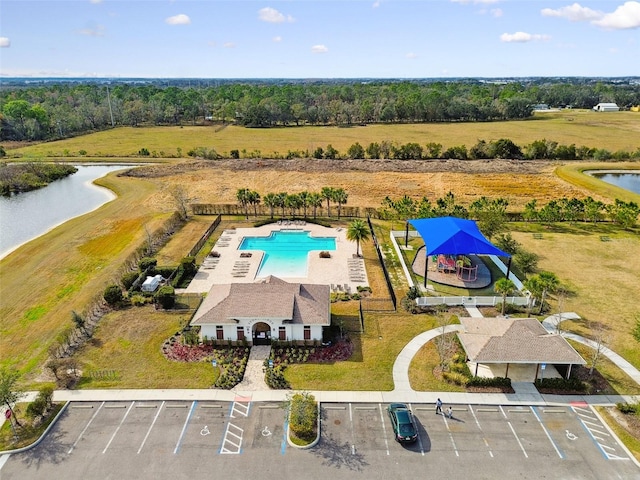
(199,244)
(387,278)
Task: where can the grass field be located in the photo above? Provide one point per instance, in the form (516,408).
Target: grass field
(612,131)
(69,267)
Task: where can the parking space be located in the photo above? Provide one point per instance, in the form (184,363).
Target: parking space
(356,440)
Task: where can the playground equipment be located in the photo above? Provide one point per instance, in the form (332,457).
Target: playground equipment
(462,267)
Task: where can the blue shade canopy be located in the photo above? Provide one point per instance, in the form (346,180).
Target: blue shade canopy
(454,236)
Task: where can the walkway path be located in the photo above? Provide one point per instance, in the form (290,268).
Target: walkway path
(551,323)
(253,379)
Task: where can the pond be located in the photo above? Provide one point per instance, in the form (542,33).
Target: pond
(622,179)
(28,215)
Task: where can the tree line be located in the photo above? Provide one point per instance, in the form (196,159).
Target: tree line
(59,110)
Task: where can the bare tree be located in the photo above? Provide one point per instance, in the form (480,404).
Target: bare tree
(600,340)
(444,342)
(181,201)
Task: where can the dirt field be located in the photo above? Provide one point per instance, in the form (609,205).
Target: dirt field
(368,182)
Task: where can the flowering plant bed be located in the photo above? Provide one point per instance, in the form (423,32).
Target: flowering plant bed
(336,352)
(232,361)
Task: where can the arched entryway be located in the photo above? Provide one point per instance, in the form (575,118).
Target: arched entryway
(261,334)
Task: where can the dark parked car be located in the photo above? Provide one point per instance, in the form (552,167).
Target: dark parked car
(404,426)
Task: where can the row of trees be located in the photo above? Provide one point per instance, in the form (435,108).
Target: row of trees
(62,109)
(503,148)
(491,214)
(305,201)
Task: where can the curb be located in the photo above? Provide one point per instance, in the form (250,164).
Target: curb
(44,434)
(312,444)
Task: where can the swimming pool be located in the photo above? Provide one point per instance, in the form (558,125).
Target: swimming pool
(286,252)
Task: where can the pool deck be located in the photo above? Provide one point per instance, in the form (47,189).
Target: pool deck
(234,266)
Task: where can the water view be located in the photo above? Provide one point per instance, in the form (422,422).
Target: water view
(628,181)
(28,215)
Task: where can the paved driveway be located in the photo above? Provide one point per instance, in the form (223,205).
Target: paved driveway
(122,440)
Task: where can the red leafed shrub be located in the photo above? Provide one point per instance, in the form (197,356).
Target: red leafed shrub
(334,353)
(187,353)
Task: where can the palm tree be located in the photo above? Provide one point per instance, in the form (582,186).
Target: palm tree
(340,197)
(535,289)
(281,199)
(549,283)
(504,287)
(271,201)
(327,194)
(293,202)
(359,232)
(253,198)
(315,201)
(304,200)
(243,199)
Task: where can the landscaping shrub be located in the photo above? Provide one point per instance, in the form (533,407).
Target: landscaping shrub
(113,295)
(573,384)
(147,263)
(325,254)
(128,279)
(303,415)
(489,382)
(629,408)
(456,377)
(138,300)
(166,297)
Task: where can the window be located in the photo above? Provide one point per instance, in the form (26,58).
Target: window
(307,333)
(282,333)
(219,332)
(240,333)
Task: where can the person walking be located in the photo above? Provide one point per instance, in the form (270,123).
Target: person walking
(438,406)
(450,412)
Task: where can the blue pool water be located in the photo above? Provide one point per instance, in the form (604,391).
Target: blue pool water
(286,252)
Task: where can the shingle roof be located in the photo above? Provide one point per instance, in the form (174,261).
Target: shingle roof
(517,340)
(272,298)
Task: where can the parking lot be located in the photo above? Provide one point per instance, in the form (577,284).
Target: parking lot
(185,439)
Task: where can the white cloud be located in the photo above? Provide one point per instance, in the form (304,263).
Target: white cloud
(5,42)
(523,37)
(98,31)
(496,12)
(180,19)
(411,55)
(376,4)
(573,13)
(625,16)
(319,49)
(277,39)
(475,2)
(229,45)
(95,2)
(271,15)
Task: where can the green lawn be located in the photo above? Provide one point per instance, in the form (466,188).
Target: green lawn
(615,131)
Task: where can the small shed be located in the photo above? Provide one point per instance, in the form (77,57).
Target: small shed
(606,107)
(151,283)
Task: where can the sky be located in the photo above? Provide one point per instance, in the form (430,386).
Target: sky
(319,39)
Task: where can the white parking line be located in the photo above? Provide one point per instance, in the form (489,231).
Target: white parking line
(150,427)
(514,432)
(545,431)
(237,433)
(85,429)
(419,439)
(455,448)
(486,442)
(384,429)
(119,425)
(184,427)
(3,459)
(353,443)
